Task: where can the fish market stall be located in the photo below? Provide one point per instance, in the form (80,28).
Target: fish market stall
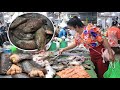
(50,63)
(69,59)
(27,32)
(76,58)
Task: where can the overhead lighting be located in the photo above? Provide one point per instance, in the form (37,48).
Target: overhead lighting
(98,19)
(78,16)
(113,14)
(107,21)
(102,13)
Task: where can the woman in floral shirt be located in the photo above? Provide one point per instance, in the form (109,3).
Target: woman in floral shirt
(92,39)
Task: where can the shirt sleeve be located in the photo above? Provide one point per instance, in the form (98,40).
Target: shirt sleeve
(60,34)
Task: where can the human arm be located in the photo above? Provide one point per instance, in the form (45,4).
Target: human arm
(72,45)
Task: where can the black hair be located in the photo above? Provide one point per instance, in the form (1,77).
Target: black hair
(98,26)
(75,21)
(114,23)
(75,17)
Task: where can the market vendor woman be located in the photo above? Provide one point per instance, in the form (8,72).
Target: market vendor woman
(92,39)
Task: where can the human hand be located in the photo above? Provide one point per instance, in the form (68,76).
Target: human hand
(60,52)
(41,51)
(112,58)
(14,70)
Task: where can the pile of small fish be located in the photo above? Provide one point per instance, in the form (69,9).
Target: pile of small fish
(31,31)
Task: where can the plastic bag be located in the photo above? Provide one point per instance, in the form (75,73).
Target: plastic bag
(113,70)
(106,55)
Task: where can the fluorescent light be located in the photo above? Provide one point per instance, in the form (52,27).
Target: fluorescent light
(113,14)
(98,19)
(102,13)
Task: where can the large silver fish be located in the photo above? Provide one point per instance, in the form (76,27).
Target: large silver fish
(26,66)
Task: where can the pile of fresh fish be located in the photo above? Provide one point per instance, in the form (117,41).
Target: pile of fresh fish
(49,62)
(59,62)
(31,31)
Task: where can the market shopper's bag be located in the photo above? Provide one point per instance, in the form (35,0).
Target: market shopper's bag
(113,70)
(106,55)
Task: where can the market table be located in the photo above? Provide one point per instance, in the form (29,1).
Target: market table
(91,72)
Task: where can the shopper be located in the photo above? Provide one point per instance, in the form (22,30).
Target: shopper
(113,34)
(62,32)
(91,40)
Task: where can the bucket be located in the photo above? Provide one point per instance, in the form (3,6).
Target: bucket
(63,44)
(7,51)
(53,46)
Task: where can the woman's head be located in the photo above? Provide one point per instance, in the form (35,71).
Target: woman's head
(75,24)
(114,23)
